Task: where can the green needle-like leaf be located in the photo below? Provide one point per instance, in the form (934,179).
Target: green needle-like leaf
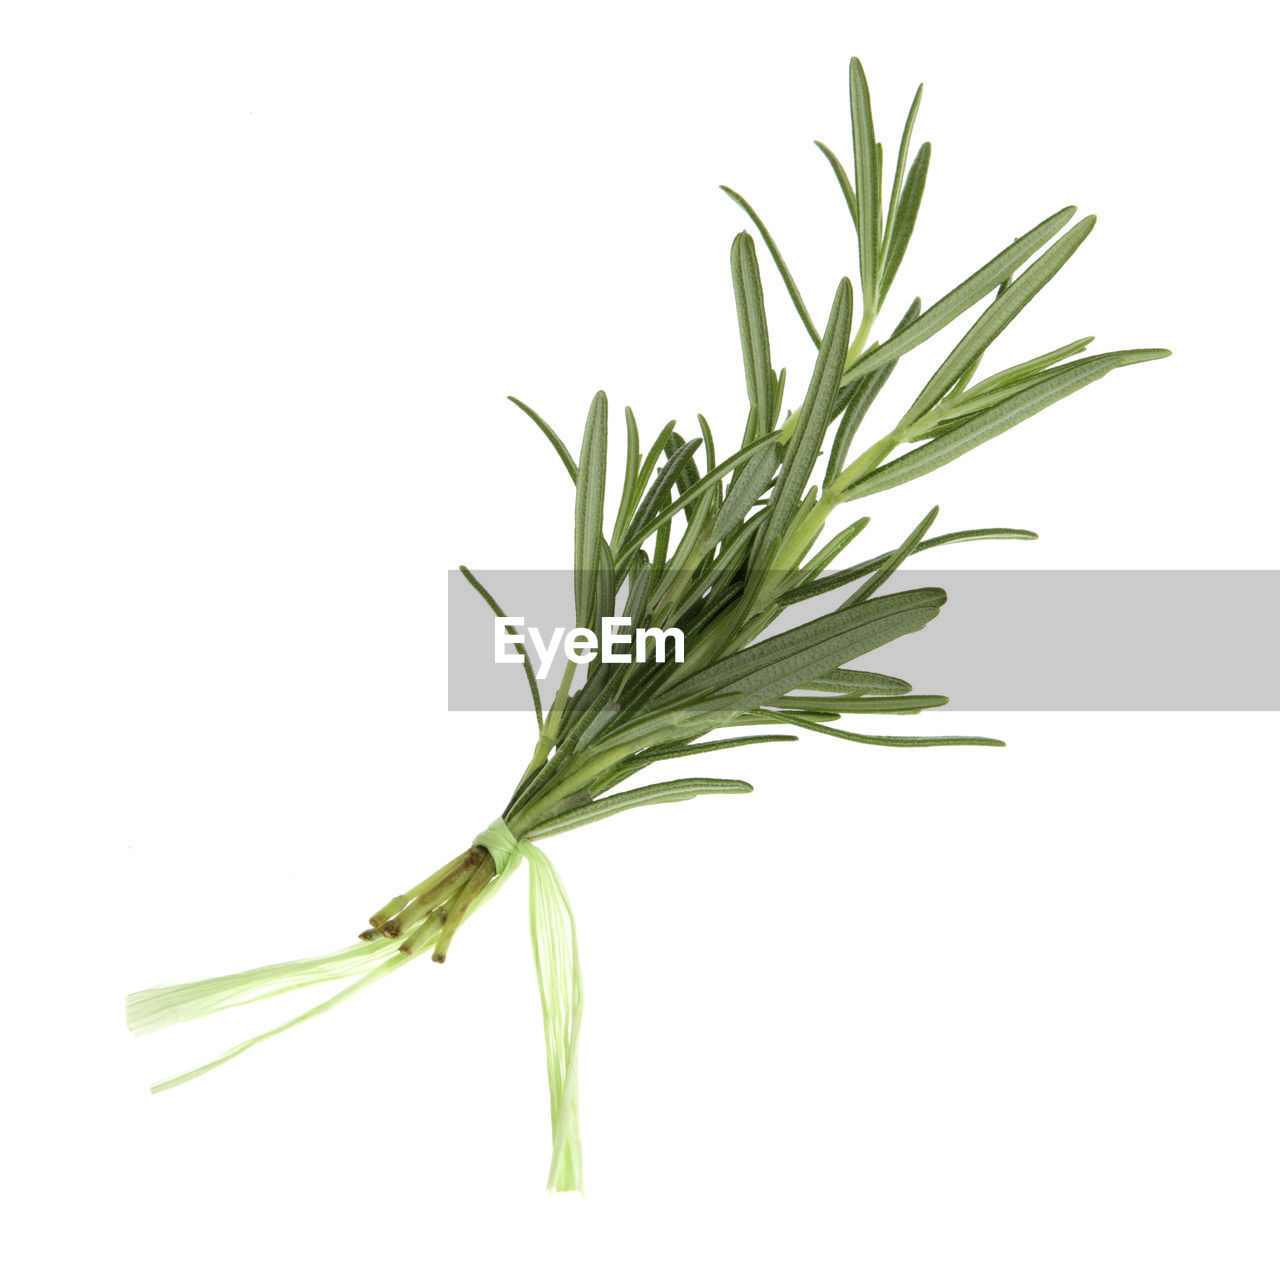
(866,176)
(814,415)
(658,793)
(863,394)
(745,490)
(843,680)
(654,754)
(846,187)
(709,443)
(904,150)
(996,318)
(881,740)
(686,472)
(963,402)
(556,443)
(985,426)
(857,704)
(630,495)
(500,612)
(785,662)
(819,561)
(783,270)
(659,493)
(753,331)
(881,575)
(589,510)
(1027,369)
(656,451)
(646,522)
(834,581)
(964,295)
(904,221)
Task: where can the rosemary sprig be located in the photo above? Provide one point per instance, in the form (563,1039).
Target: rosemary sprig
(723,551)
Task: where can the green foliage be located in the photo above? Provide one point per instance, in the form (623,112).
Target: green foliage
(724,553)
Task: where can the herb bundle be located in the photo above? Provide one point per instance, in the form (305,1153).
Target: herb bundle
(722,547)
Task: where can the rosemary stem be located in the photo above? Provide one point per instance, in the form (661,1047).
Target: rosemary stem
(865,462)
(461,903)
(590,768)
(428,886)
(425,934)
(550,729)
(860,338)
(803,535)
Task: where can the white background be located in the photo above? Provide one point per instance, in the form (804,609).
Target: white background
(268,272)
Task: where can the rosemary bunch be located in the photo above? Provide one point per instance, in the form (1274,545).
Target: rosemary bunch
(721,547)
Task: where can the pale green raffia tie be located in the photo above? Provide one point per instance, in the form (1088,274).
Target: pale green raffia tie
(555,955)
